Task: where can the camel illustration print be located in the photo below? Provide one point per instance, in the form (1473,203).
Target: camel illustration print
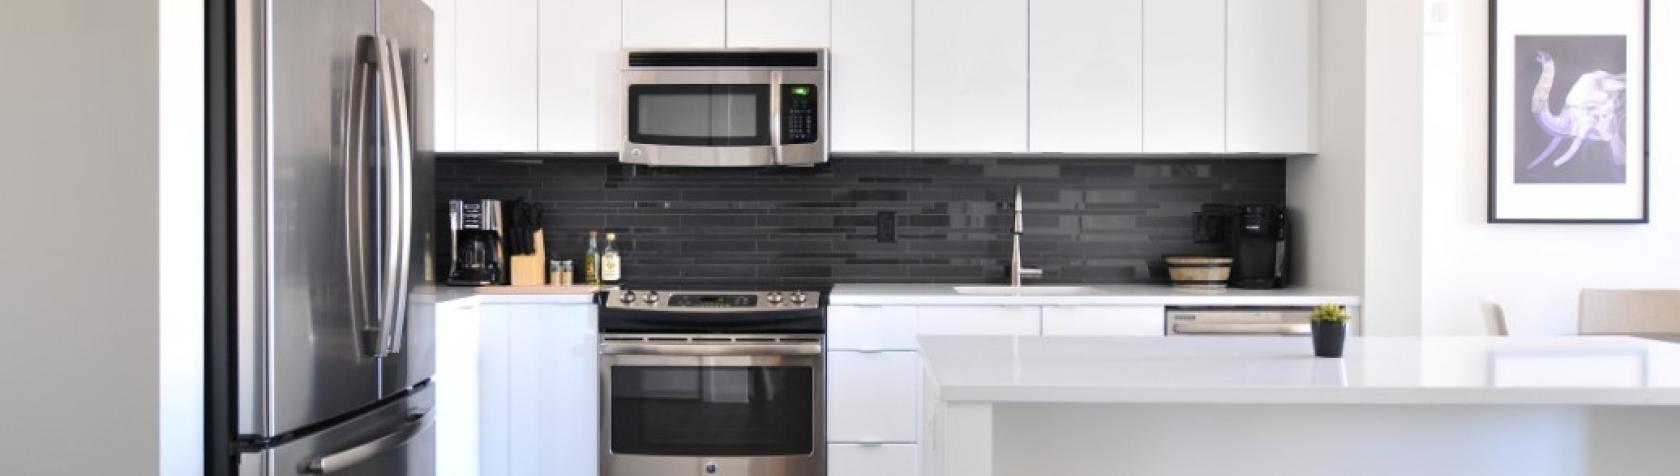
(1582,138)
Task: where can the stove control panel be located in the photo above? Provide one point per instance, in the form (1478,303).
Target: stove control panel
(712,301)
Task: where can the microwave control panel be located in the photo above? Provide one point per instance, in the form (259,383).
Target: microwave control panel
(799,113)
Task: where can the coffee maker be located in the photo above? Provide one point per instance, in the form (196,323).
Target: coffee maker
(475,243)
(1258,237)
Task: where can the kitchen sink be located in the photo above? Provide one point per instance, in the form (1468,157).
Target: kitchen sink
(1025,290)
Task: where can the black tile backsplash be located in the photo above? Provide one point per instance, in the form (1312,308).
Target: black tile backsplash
(1087,220)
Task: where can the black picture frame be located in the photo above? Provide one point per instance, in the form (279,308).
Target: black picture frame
(1495,93)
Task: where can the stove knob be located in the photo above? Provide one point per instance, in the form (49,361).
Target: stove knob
(799,297)
(774,297)
(652,297)
(627,297)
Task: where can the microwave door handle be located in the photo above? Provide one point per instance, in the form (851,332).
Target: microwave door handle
(776,117)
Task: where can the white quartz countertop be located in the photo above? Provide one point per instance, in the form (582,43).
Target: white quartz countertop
(1119,295)
(1571,370)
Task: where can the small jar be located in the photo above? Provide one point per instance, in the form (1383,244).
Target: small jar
(556,273)
(566,273)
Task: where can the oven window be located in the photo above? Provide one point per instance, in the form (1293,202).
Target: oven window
(712,411)
(700,114)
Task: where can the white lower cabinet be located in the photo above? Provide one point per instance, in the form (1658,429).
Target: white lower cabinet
(871,460)
(872,397)
(978,320)
(515,383)
(1105,320)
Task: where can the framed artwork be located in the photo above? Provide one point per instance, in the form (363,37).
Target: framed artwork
(1567,111)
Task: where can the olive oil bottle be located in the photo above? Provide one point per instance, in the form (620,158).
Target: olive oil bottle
(612,270)
(592,262)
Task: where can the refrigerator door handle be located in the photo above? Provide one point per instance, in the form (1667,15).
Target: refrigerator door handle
(405,128)
(356,207)
(396,150)
(417,424)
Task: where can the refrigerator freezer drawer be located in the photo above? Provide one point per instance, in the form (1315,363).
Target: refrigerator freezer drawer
(398,438)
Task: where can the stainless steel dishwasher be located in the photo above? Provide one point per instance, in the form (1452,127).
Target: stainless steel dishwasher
(1279,320)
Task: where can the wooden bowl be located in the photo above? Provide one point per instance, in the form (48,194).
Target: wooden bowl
(1199,272)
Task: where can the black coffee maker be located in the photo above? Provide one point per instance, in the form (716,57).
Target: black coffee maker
(475,243)
(1258,236)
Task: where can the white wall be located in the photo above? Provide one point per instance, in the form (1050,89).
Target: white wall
(1393,125)
(78,344)
(103,142)
(1536,270)
(1327,191)
(180,200)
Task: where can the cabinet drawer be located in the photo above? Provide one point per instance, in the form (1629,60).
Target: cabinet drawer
(1105,320)
(978,320)
(873,396)
(871,328)
(872,460)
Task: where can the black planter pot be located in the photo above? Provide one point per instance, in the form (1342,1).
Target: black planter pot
(1328,338)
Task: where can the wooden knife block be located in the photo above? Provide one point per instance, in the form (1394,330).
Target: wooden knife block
(531,269)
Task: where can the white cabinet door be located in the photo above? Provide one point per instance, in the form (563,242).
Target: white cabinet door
(872,397)
(777,23)
(457,380)
(494,419)
(971,75)
(578,68)
(674,23)
(978,320)
(872,460)
(553,390)
(496,75)
(1105,321)
(443,79)
(1087,76)
(1184,76)
(871,76)
(871,328)
(1272,76)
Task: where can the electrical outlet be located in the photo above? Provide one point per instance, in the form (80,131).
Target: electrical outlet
(886,227)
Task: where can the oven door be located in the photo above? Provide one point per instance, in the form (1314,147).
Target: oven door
(695,408)
(721,118)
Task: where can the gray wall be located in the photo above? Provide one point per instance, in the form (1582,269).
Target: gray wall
(79,336)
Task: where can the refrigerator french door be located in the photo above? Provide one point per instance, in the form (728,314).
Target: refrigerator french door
(333,335)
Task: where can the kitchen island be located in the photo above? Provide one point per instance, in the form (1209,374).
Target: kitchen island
(1072,406)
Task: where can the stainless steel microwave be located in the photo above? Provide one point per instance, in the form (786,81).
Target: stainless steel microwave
(725,108)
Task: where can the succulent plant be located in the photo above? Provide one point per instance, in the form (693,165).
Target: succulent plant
(1330,313)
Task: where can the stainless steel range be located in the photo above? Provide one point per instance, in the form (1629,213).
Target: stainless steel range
(710,383)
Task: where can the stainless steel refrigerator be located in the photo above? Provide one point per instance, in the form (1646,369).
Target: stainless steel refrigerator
(332,344)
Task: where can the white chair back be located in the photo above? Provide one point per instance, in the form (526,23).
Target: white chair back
(1494,313)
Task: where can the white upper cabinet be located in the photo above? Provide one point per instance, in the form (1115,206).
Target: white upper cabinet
(578,72)
(1087,76)
(1160,77)
(871,76)
(971,75)
(443,74)
(674,23)
(1184,76)
(495,75)
(778,23)
(1272,76)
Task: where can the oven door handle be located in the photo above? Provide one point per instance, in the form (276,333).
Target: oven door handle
(708,350)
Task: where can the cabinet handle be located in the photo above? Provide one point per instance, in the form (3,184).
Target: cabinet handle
(870,443)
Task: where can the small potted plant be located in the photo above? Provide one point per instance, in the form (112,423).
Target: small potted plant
(1329,330)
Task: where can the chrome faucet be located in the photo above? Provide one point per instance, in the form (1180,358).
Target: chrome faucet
(1016,272)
